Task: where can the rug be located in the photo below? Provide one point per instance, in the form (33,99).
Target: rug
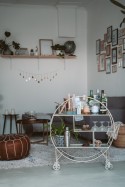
(43,155)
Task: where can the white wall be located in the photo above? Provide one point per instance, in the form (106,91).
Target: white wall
(101,15)
(27,25)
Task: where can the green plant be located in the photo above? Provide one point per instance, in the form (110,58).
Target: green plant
(59,129)
(58,47)
(4,45)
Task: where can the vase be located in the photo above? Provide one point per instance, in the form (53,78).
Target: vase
(7,52)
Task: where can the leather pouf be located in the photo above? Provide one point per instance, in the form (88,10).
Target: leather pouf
(14,146)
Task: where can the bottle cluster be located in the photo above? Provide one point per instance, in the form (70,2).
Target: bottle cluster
(97,103)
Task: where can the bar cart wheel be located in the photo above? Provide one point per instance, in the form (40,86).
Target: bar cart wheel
(56,166)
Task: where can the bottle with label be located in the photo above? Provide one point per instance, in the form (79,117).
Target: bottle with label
(67,137)
(103,103)
(90,98)
(97,95)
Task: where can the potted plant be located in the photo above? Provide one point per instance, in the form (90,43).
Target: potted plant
(58,130)
(6,47)
(59,49)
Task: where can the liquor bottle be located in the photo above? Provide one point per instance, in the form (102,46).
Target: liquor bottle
(90,98)
(103,103)
(67,137)
(97,95)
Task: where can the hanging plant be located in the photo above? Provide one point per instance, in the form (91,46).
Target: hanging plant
(5,46)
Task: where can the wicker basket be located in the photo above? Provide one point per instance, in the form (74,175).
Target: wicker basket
(120,141)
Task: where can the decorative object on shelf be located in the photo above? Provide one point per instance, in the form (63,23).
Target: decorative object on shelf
(59,49)
(6,47)
(121,6)
(70,47)
(22,51)
(45,46)
(32,52)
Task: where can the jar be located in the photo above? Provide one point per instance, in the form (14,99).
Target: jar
(95,109)
(86,109)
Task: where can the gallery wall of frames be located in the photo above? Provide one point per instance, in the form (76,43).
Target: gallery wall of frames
(110,50)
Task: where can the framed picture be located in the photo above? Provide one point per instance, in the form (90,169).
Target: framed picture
(102,46)
(119,33)
(123,60)
(45,46)
(119,52)
(98,45)
(123,32)
(114,68)
(123,43)
(102,62)
(120,41)
(108,50)
(114,55)
(108,65)
(105,37)
(114,37)
(109,34)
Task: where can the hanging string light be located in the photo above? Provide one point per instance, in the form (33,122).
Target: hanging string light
(28,76)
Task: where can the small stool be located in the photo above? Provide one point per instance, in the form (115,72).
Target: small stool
(14,146)
(11,117)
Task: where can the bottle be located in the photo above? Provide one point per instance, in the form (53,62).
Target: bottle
(67,137)
(97,95)
(90,98)
(103,103)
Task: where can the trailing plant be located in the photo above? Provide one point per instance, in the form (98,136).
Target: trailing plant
(4,45)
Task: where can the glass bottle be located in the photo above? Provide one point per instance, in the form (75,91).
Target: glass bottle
(103,103)
(90,98)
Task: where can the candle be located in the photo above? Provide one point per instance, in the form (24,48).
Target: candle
(68,101)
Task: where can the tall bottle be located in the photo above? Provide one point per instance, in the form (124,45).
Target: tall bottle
(67,137)
(103,103)
(90,98)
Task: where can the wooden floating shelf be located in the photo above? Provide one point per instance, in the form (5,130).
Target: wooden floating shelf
(38,57)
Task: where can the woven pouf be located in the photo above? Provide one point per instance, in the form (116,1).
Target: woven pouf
(14,146)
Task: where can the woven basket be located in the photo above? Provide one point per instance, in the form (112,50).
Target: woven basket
(120,141)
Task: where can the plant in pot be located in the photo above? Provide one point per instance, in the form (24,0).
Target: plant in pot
(59,49)
(6,47)
(58,131)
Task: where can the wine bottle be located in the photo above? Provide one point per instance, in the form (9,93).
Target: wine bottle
(90,98)
(103,104)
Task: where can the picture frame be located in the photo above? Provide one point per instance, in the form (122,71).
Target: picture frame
(119,52)
(123,60)
(45,46)
(98,45)
(114,37)
(120,41)
(102,46)
(102,62)
(114,55)
(108,65)
(123,32)
(108,50)
(119,33)
(105,37)
(109,34)
(114,68)
(123,43)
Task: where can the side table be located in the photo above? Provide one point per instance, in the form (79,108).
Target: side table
(11,117)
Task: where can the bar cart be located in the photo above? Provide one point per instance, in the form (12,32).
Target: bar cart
(82,152)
